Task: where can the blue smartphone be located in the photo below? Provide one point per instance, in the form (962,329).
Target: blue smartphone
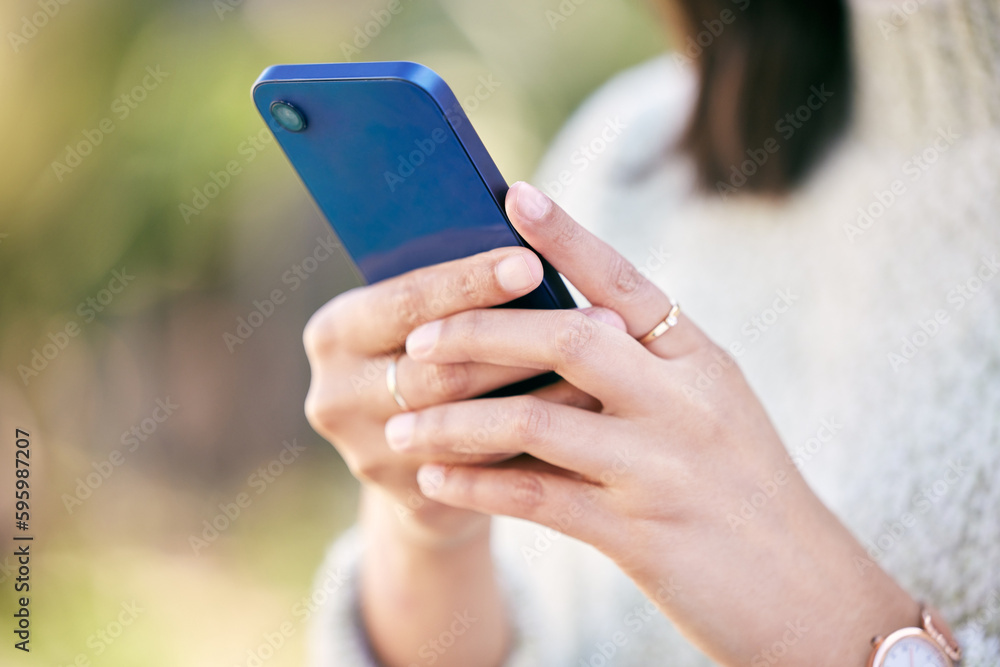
(395,166)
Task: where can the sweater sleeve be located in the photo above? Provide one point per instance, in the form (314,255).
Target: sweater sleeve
(336,633)
(978,648)
(567,604)
(337,636)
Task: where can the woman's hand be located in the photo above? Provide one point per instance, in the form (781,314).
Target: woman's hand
(657,477)
(418,553)
(353,338)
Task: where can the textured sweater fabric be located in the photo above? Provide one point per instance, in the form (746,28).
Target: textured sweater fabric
(867,312)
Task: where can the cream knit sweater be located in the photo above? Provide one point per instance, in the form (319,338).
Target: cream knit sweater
(867,309)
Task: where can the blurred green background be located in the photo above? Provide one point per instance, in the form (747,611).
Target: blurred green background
(114,114)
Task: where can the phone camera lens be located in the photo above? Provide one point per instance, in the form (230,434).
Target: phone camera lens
(288,116)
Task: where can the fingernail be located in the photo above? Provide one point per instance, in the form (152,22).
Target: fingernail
(531,203)
(422,339)
(430,479)
(399,430)
(515,274)
(607,316)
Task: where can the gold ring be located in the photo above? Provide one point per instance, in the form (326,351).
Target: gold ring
(390,382)
(668,323)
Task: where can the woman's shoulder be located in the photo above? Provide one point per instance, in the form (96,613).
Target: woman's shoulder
(621,134)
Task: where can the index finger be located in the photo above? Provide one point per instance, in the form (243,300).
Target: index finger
(605,277)
(377,318)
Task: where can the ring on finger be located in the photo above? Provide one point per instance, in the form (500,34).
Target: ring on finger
(665,325)
(393,385)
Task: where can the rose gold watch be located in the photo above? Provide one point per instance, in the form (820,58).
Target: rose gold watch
(931,645)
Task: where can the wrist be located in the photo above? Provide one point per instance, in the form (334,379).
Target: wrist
(817,607)
(416,524)
(884,616)
(861,600)
(417,583)
(860,606)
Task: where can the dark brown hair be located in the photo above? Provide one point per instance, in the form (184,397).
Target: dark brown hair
(775,76)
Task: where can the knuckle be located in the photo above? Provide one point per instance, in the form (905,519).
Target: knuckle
(366,469)
(530,420)
(624,280)
(322,331)
(408,302)
(328,411)
(568,235)
(466,487)
(447,381)
(574,337)
(528,492)
(471,286)
(706,416)
(463,328)
(430,427)
(311,406)
(464,282)
(323,417)
(311,336)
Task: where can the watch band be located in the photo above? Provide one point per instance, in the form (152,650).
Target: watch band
(932,627)
(935,626)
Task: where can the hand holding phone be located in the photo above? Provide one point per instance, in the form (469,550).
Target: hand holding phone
(394,164)
(397,169)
